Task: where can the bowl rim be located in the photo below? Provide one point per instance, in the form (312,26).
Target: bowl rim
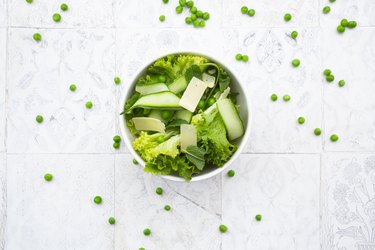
(125,132)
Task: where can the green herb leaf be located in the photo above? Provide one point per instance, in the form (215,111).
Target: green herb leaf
(193,71)
(176,123)
(224,81)
(196,156)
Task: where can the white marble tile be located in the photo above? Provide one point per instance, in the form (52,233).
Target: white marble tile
(362,11)
(3,13)
(284,189)
(39,79)
(349,111)
(192,222)
(3,195)
(83,13)
(348,201)
(2,87)
(59,214)
(271,13)
(134,13)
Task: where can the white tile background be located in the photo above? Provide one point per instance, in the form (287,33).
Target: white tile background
(312,193)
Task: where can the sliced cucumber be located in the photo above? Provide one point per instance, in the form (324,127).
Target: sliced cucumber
(148,124)
(162,100)
(178,85)
(155,113)
(146,89)
(231,118)
(183,115)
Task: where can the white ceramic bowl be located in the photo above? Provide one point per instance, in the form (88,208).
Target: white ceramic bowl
(242,100)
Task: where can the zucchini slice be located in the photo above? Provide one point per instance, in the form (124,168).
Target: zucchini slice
(148,124)
(162,100)
(231,118)
(183,115)
(146,89)
(178,85)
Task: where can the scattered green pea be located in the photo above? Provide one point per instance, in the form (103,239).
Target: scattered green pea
(287,17)
(274,97)
(245,58)
(165,1)
(330,78)
(147,231)
(341,83)
(162,18)
(317,131)
(332,1)
(251,12)
(73,87)
(199,14)
(340,29)
(188,20)
(193,10)
(116,138)
(98,199)
(64,7)
(223,228)
(166,114)
(111,220)
(29,1)
(344,22)
(206,16)
(193,17)
(117,80)
(37,37)
(238,57)
(182,2)
(286,98)
(326,9)
(231,173)
(202,23)
(301,120)
(244,9)
(258,217)
(160,139)
(327,72)
(56,17)
(201,104)
(352,24)
(39,119)
(48,177)
(296,62)
(89,105)
(334,138)
(135,162)
(167,208)
(141,248)
(196,23)
(211,101)
(179,9)
(162,78)
(159,191)
(116,145)
(294,34)
(190,4)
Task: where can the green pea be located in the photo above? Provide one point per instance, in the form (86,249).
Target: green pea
(238,57)
(159,191)
(296,62)
(111,220)
(116,145)
(193,17)
(245,58)
(294,34)
(340,29)
(317,131)
(29,1)
(182,2)
(334,138)
(223,228)
(258,217)
(147,231)
(190,4)
(196,23)
(286,98)
(167,208)
(199,14)
(37,37)
(98,199)
(332,1)
(73,87)
(341,83)
(206,16)
(327,72)
(179,9)
(201,104)
(64,7)
(326,9)
(344,22)
(162,78)
(244,9)
(89,105)
(287,17)
(135,162)
(141,248)
(301,120)
(56,17)
(166,114)
(202,23)
(352,24)
(231,173)
(330,78)
(211,101)
(117,80)
(165,1)
(193,10)
(160,139)
(162,18)
(48,177)
(116,138)
(39,119)
(251,12)
(188,20)
(274,97)
(146,111)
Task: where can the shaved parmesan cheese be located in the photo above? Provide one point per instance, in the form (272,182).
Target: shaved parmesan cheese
(193,94)
(210,80)
(188,136)
(148,124)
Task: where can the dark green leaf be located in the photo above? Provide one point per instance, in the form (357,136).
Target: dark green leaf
(130,102)
(193,71)
(224,81)
(196,156)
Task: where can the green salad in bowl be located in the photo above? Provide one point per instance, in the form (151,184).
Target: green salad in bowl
(185,117)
